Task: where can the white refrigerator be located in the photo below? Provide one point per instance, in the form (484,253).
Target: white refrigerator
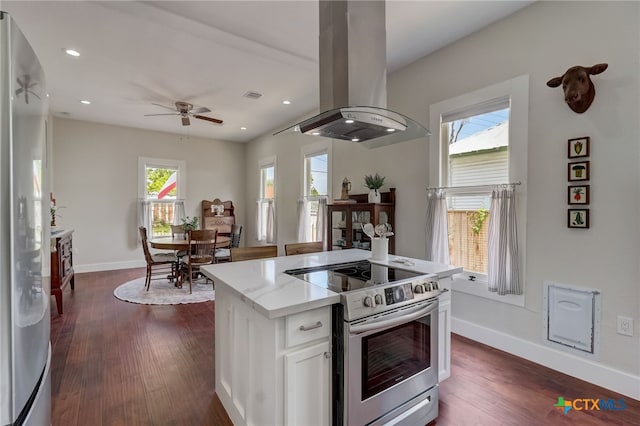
(25,351)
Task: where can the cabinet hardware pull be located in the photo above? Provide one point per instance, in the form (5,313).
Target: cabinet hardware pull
(316,325)
(327,355)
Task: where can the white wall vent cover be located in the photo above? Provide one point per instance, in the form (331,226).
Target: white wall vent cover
(572,319)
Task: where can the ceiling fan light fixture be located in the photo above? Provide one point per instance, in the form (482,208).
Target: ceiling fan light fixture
(185,110)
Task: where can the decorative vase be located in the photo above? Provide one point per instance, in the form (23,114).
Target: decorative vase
(374,196)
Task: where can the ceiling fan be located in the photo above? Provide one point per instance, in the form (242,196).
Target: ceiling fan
(186,110)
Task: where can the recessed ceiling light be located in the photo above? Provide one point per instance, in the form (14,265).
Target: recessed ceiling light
(286,102)
(315,133)
(355,140)
(72,52)
(348,121)
(243,128)
(86,102)
(391,130)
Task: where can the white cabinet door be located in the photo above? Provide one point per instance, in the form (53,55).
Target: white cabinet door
(307,386)
(444,338)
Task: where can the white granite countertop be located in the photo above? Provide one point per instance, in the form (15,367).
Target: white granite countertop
(60,232)
(262,284)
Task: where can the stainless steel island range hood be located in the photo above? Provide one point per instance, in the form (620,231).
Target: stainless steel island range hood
(353,78)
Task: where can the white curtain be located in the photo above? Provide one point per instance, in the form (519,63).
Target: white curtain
(301,209)
(503,243)
(437,244)
(271,221)
(321,221)
(266,220)
(144,215)
(178,212)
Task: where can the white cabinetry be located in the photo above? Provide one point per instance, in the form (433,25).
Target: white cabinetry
(444,336)
(308,386)
(272,371)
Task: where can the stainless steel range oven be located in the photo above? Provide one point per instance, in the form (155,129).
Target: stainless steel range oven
(385,343)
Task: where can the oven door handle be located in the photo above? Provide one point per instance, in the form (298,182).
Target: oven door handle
(400,318)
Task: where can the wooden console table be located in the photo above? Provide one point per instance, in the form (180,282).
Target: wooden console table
(61,265)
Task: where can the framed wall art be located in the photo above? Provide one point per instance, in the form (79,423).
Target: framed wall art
(578,171)
(578,194)
(579,147)
(578,218)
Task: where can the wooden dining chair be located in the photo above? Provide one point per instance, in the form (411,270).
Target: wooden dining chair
(200,251)
(301,248)
(158,263)
(224,254)
(177,231)
(256,252)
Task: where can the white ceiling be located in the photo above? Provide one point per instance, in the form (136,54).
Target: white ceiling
(210,53)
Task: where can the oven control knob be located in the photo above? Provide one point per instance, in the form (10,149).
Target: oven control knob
(435,285)
(378,299)
(419,288)
(369,302)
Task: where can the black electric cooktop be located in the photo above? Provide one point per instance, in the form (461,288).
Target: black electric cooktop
(349,276)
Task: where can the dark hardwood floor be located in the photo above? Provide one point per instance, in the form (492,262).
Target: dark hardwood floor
(117,363)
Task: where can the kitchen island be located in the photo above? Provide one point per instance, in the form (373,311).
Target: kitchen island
(272,340)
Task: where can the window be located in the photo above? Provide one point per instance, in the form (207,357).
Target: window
(266,203)
(316,187)
(161,190)
(482,142)
(477,154)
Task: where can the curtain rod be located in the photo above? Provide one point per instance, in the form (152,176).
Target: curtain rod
(491,186)
(313,196)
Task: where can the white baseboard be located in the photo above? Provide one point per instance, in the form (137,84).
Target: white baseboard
(97,267)
(584,369)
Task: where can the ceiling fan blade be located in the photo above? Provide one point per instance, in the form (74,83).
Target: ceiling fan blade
(213,120)
(200,110)
(164,106)
(185,121)
(150,115)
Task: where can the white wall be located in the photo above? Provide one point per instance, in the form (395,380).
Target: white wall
(542,40)
(606,256)
(96,180)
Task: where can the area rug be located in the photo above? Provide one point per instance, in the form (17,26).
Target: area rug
(163,292)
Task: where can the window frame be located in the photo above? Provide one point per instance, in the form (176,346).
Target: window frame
(264,163)
(312,150)
(307,151)
(517,90)
(179,165)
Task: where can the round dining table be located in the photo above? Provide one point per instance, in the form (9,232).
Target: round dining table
(169,243)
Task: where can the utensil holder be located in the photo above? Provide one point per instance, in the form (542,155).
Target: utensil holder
(379,249)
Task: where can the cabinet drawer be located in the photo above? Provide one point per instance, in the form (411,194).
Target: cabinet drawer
(308,326)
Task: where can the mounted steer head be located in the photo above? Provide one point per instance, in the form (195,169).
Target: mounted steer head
(579,91)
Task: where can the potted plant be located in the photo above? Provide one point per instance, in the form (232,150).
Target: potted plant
(189,224)
(374,183)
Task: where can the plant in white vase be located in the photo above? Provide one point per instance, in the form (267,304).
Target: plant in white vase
(374,183)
